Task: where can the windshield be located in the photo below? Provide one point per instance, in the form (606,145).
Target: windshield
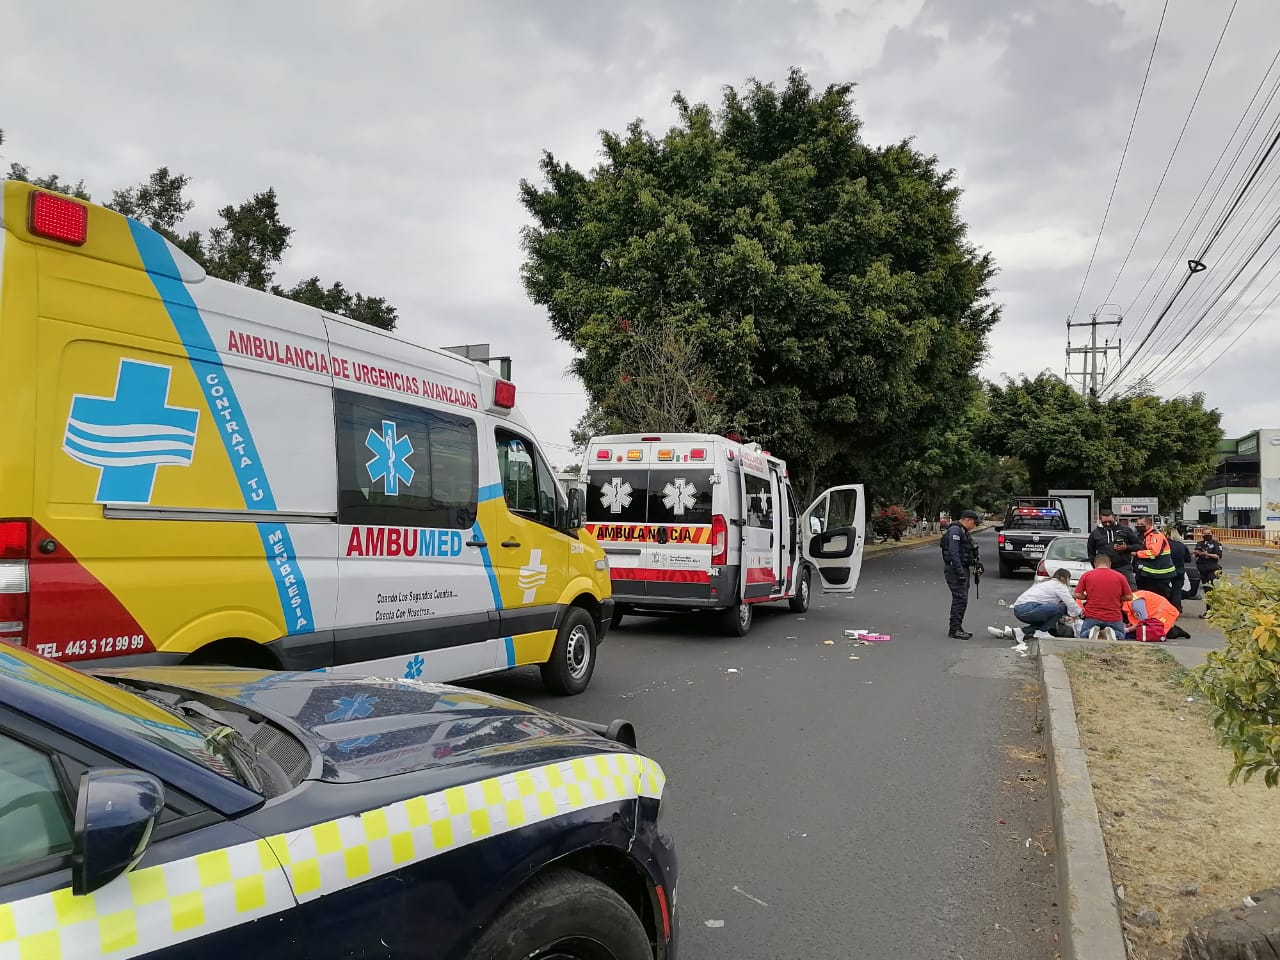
(108,705)
(1069,548)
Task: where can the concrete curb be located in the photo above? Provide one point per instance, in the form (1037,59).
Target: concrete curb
(885,549)
(1091,920)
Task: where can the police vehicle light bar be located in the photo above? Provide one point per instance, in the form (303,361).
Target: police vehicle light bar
(504,394)
(58,218)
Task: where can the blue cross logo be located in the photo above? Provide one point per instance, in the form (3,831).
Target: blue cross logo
(351,708)
(130,435)
(390,458)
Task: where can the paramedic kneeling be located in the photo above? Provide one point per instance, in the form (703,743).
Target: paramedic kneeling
(1104,593)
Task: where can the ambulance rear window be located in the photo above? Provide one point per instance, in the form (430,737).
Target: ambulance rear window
(680,496)
(616,495)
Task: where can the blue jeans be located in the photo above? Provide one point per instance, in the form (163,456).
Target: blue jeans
(1038,616)
(1088,623)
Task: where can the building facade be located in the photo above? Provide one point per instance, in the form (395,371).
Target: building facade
(1244,492)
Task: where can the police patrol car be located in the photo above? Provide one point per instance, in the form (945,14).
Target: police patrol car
(702,522)
(194,471)
(212,812)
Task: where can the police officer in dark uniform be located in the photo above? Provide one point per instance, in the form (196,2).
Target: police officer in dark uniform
(960,554)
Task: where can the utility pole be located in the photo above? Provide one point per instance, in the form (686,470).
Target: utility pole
(1090,375)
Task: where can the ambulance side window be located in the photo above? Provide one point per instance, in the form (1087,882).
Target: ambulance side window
(405,466)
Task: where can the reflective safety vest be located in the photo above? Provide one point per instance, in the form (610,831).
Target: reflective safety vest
(1156,606)
(1155,559)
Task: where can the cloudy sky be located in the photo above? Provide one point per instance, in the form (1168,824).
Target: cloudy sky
(396,133)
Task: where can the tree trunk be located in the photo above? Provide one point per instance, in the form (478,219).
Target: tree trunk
(1240,933)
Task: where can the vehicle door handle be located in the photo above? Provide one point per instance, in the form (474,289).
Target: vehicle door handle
(511,544)
(477,543)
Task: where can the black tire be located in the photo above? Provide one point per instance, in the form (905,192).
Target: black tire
(736,620)
(617,618)
(563,913)
(800,602)
(1006,570)
(573,658)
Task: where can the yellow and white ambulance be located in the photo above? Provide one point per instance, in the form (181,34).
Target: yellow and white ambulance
(197,471)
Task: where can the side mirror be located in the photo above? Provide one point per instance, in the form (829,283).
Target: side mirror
(116,810)
(575,508)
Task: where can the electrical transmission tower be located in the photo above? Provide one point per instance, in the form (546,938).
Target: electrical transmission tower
(1091,374)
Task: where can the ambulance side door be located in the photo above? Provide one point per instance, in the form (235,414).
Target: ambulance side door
(529,551)
(832,532)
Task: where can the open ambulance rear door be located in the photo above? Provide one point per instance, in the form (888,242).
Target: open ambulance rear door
(832,532)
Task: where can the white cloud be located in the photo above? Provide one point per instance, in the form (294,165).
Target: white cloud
(396,133)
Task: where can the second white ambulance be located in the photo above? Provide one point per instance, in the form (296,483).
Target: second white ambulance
(700,522)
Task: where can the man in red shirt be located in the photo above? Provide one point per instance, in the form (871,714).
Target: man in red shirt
(1102,593)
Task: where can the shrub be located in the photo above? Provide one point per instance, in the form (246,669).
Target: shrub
(891,521)
(1242,681)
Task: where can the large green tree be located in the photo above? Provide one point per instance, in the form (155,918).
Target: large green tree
(1133,445)
(825,287)
(245,246)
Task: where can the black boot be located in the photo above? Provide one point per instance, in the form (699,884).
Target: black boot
(959,633)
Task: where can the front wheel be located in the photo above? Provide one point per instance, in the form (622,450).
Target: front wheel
(800,602)
(737,619)
(564,915)
(573,658)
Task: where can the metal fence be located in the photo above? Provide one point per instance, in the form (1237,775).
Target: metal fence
(1255,536)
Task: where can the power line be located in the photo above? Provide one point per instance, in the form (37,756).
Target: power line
(1222,181)
(1174,152)
(1197,265)
(1123,153)
(1247,327)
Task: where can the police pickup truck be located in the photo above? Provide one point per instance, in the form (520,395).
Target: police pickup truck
(1030,524)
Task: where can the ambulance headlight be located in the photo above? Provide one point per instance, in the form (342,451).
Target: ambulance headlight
(602,563)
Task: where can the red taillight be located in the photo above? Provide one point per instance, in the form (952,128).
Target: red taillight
(603,454)
(1000,539)
(504,394)
(650,439)
(665,911)
(719,541)
(58,218)
(697,453)
(15,537)
(1042,570)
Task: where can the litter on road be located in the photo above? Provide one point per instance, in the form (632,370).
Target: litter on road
(738,889)
(714,923)
(732,670)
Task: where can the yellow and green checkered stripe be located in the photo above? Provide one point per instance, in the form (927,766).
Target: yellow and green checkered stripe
(169,903)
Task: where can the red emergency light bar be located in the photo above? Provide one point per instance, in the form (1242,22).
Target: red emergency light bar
(58,218)
(504,394)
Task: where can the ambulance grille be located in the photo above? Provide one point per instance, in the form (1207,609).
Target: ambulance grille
(288,753)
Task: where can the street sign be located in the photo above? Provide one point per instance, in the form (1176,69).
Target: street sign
(1135,506)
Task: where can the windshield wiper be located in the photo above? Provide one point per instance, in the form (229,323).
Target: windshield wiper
(224,743)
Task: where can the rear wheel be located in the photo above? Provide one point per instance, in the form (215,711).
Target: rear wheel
(564,915)
(800,602)
(573,658)
(737,619)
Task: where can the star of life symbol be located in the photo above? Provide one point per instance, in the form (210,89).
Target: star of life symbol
(679,496)
(616,496)
(130,435)
(390,462)
(351,708)
(533,575)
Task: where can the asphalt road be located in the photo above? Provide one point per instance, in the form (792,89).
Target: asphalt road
(825,806)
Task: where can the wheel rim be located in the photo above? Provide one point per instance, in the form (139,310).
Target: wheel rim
(744,615)
(578,653)
(574,948)
(804,589)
